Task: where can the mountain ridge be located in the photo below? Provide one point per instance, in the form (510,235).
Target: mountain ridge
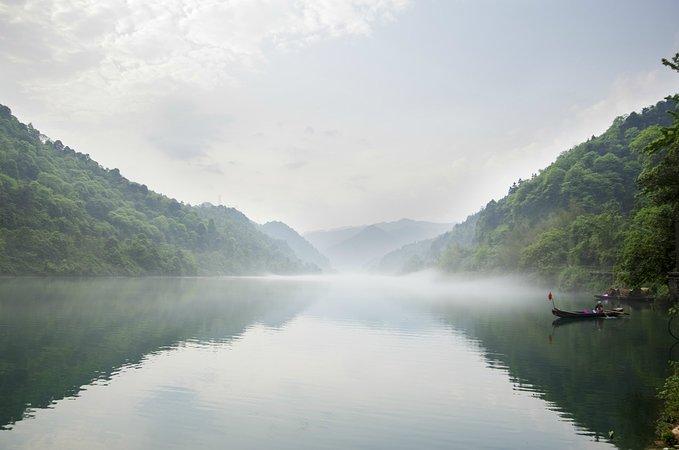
(303,249)
(64,214)
(571,223)
(347,248)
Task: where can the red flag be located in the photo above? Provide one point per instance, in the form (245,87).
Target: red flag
(549,297)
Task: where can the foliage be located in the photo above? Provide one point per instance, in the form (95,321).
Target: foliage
(567,222)
(63,214)
(547,252)
(646,251)
(659,180)
(650,249)
(669,416)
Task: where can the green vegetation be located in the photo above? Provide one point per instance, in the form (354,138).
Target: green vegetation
(606,210)
(649,246)
(669,417)
(63,214)
(582,219)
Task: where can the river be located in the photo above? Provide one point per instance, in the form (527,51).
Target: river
(325,362)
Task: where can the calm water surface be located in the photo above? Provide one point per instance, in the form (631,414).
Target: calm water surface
(319,362)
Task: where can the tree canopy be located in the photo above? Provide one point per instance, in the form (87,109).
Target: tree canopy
(582,218)
(62,213)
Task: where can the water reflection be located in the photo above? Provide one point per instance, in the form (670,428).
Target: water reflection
(602,374)
(57,336)
(318,363)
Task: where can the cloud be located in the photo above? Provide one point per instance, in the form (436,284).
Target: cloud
(98,51)
(531,152)
(294,165)
(210,167)
(182,130)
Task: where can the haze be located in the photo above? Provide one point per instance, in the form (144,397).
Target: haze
(326,113)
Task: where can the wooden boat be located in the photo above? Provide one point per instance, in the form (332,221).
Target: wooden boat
(588,314)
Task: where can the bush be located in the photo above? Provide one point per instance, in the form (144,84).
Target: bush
(669,416)
(647,249)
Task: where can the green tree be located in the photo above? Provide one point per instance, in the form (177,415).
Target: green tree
(62,213)
(659,180)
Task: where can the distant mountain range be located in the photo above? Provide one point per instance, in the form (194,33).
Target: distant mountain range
(61,213)
(421,254)
(574,222)
(359,247)
(302,248)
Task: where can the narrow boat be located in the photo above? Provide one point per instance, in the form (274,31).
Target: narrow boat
(589,314)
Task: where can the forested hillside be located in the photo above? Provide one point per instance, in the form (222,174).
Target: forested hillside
(302,248)
(62,213)
(571,222)
(425,253)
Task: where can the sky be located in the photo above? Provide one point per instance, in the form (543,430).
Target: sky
(324,113)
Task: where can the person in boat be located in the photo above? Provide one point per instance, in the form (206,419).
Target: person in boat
(599,308)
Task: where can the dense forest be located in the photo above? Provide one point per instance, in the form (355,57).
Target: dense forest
(62,213)
(581,221)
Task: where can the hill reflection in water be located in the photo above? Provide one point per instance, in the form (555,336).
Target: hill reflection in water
(319,361)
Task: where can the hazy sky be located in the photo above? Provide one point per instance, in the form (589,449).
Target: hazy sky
(323,113)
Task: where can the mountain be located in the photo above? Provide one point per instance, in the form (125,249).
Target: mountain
(406,230)
(302,248)
(570,223)
(358,250)
(324,239)
(358,247)
(62,213)
(409,258)
(422,254)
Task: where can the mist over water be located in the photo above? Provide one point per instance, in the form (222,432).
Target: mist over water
(331,361)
